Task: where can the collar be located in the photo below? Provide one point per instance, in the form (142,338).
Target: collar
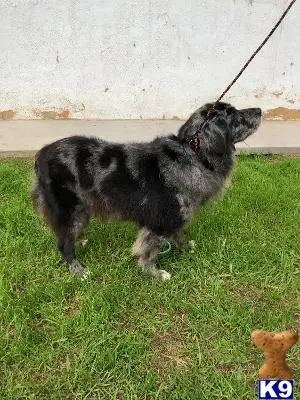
(194,143)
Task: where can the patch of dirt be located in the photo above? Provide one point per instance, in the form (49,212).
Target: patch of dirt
(248,369)
(169,345)
(37,322)
(11,329)
(169,341)
(297,322)
(63,358)
(22,289)
(126,324)
(255,297)
(226,368)
(73,308)
(168,352)
(180,319)
(246,292)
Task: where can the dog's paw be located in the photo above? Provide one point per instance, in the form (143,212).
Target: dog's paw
(164,275)
(79,270)
(86,274)
(192,246)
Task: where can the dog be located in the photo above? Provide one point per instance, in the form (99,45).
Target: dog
(158,184)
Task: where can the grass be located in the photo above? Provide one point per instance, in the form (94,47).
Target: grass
(121,335)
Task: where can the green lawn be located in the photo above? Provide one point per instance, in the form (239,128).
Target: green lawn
(121,335)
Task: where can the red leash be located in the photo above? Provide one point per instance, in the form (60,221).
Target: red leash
(194,141)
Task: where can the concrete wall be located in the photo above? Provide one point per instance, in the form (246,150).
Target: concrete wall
(144,58)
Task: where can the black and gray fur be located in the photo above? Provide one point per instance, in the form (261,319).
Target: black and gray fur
(158,185)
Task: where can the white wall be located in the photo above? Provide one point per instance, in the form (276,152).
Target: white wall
(144,58)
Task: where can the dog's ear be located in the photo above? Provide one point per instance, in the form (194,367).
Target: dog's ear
(217,135)
(187,130)
(195,121)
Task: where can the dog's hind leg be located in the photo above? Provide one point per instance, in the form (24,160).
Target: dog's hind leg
(67,235)
(67,216)
(147,247)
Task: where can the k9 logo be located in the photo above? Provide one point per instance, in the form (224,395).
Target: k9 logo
(276,389)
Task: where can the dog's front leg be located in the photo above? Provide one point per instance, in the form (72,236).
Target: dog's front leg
(146,248)
(182,241)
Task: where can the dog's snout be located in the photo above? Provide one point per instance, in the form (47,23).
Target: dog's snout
(252,113)
(250,121)
(256,111)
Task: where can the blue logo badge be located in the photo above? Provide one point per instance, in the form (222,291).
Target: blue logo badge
(276,389)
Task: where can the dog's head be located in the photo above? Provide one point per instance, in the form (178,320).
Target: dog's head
(223,128)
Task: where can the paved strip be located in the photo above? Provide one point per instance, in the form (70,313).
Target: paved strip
(23,138)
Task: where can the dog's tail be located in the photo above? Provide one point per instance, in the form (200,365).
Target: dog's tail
(39,185)
(35,188)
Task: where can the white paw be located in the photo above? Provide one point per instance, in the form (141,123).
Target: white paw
(192,246)
(164,275)
(84,242)
(86,274)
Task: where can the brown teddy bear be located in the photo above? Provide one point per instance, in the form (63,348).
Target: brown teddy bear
(274,347)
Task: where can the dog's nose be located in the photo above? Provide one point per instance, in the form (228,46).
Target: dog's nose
(258,111)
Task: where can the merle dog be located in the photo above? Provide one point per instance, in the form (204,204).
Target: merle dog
(158,184)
